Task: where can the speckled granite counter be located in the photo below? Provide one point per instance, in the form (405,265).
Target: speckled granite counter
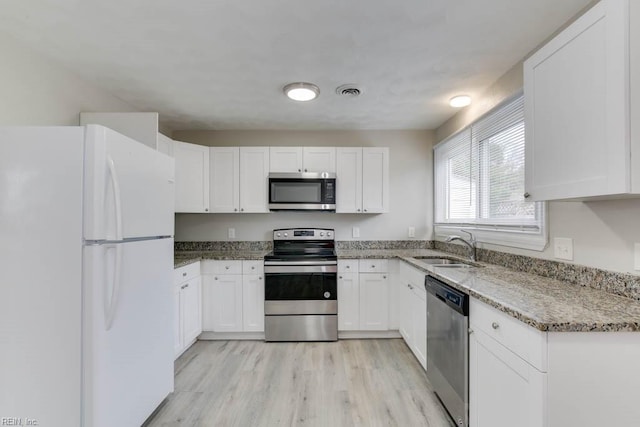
(544,303)
(181,259)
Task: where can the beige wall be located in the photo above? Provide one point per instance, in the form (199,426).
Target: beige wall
(410,187)
(603,232)
(37,91)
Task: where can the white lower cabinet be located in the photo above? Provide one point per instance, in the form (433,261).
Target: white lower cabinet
(233,296)
(187,307)
(363,295)
(412,311)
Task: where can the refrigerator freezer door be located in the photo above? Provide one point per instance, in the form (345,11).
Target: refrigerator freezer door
(128,334)
(129,188)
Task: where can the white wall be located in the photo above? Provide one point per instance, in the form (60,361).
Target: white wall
(410,188)
(603,232)
(36,91)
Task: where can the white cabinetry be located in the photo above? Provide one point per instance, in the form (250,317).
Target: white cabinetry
(362,180)
(187,307)
(233,296)
(413,311)
(239,179)
(374,295)
(192,177)
(581,107)
(348,296)
(165,145)
(521,376)
(302,159)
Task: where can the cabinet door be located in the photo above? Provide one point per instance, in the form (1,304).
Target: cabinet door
(285,159)
(419,325)
(254,174)
(222,303)
(253,302)
(319,159)
(374,302)
(348,302)
(576,90)
(192,177)
(375,180)
(349,179)
(404,311)
(177,322)
(191,310)
(225,179)
(504,390)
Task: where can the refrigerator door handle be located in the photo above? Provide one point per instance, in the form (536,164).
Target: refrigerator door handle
(116,197)
(111,301)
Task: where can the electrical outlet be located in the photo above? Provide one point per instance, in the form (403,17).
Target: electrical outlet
(412,232)
(355,232)
(636,257)
(232,233)
(563,248)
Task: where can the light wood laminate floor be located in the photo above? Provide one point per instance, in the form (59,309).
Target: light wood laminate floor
(343,383)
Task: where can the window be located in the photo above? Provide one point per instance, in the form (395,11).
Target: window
(479,178)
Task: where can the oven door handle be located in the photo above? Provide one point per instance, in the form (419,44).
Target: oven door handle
(296,263)
(300,268)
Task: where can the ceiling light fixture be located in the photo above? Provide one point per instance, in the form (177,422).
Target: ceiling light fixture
(301,91)
(460,101)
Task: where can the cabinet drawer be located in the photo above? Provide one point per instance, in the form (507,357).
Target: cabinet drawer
(252,267)
(185,273)
(373,266)
(525,341)
(222,267)
(348,266)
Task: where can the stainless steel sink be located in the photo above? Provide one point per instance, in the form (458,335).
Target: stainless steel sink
(433,261)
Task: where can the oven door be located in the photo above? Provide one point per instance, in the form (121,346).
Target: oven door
(300,289)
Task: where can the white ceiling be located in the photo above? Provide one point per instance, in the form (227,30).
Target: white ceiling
(221,64)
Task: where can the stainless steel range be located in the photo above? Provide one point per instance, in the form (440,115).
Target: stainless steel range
(300,288)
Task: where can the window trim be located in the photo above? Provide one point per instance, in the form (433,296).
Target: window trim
(521,235)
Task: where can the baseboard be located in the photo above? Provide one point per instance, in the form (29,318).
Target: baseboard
(225,336)
(348,335)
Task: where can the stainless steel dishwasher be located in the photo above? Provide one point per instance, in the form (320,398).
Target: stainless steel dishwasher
(448,347)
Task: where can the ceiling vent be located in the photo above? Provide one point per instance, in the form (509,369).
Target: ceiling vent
(349,90)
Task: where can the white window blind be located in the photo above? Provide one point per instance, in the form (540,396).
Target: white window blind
(479,176)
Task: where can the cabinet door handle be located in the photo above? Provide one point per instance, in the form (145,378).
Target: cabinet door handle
(186,286)
(241,209)
(299,170)
(184,274)
(226,267)
(526,195)
(495,325)
(347,266)
(259,277)
(215,278)
(206,209)
(373,266)
(384,277)
(253,267)
(339,277)
(305,170)
(358,209)
(235,209)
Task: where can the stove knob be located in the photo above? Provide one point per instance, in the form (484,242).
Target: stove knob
(322,234)
(285,234)
(328,234)
(327,294)
(277,234)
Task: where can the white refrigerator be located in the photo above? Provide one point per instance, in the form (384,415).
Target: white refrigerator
(86,260)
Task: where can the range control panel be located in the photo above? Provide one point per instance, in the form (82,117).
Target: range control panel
(304,234)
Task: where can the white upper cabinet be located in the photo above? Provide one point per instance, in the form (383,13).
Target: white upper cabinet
(164,145)
(254,174)
(362,180)
(225,179)
(581,107)
(192,177)
(239,179)
(302,159)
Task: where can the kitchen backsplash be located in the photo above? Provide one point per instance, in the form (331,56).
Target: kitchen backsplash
(383,244)
(223,246)
(627,285)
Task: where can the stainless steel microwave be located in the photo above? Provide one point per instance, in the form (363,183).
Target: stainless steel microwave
(302,191)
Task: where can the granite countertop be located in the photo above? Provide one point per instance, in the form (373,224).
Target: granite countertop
(180,259)
(543,303)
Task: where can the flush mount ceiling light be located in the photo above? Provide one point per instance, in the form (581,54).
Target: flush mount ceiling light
(301,91)
(460,101)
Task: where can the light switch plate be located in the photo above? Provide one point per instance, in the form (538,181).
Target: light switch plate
(412,232)
(636,256)
(355,232)
(232,233)
(563,248)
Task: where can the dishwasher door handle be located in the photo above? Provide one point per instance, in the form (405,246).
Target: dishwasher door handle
(441,298)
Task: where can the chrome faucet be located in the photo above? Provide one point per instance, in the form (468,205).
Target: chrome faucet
(471,243)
